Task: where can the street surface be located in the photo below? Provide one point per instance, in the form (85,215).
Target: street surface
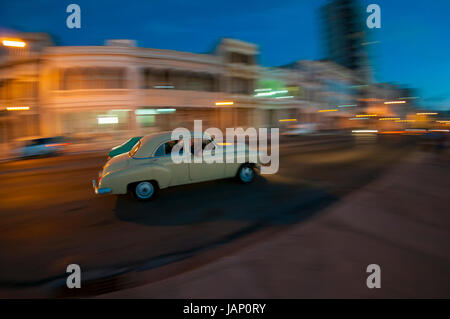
(51,217)
(400,222)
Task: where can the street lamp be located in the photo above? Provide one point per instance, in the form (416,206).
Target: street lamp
(14,43)
(224,103)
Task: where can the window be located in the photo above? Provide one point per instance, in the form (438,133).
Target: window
(155,77)
(241,58)
(161,151)
(166,148)
(178,80)
(204,142)
(241,86)
(93,78)
(135,149)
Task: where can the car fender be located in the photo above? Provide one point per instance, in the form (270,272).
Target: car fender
(119,180)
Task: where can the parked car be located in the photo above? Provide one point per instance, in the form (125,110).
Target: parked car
(42,146)
(149,167)
(125,147)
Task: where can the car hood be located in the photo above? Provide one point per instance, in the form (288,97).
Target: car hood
(119,162)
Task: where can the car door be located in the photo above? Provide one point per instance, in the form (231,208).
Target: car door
(162,156)
(205,171)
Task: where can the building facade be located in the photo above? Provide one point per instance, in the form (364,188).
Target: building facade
(345,37)
(119,87)
(120,90)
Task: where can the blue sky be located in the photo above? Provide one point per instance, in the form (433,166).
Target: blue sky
(413,47)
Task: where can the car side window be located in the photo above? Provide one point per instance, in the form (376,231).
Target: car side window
(161,150)
(206,142)
(169,145)
(166,148)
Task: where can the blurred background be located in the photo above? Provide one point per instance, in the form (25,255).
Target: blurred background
(103,94)
(350,103)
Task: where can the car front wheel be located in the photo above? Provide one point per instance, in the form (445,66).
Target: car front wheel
(246,173)
(144,190)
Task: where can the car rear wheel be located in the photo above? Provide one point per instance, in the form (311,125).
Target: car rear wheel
(246,173)
(144,190)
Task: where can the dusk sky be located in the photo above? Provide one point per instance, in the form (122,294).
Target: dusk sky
(413,48)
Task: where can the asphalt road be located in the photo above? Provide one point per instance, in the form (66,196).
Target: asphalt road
(50,217)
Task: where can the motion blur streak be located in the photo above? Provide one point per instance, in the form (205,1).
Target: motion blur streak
(362,160)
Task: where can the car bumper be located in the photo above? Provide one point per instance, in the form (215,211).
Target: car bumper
(99,191)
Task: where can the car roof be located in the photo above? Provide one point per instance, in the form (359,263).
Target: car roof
(150,142)
(28,138)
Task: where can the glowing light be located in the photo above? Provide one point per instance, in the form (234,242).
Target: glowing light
(332,110)
(392,132)
(163,87)
(395,102)
(145,112)
(427,113)
(284,97)
(225,103)
(153,111)
(14,43)
(366,115)
(224,144)
(389,118)
(165,110)
(108,120)
(288,120)
(271,93)
(365,131)
(17,108)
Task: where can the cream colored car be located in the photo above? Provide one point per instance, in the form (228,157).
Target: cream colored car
(149,167)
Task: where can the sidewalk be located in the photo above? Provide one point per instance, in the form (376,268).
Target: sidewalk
(401,222)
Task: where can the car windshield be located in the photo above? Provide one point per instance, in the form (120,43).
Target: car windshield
(135,149)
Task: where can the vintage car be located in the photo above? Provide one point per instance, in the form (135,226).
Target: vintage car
(149,167)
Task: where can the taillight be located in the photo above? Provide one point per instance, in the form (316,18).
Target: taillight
(57,144)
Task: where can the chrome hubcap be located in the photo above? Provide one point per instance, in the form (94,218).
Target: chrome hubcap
(246,174)
(144,190)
